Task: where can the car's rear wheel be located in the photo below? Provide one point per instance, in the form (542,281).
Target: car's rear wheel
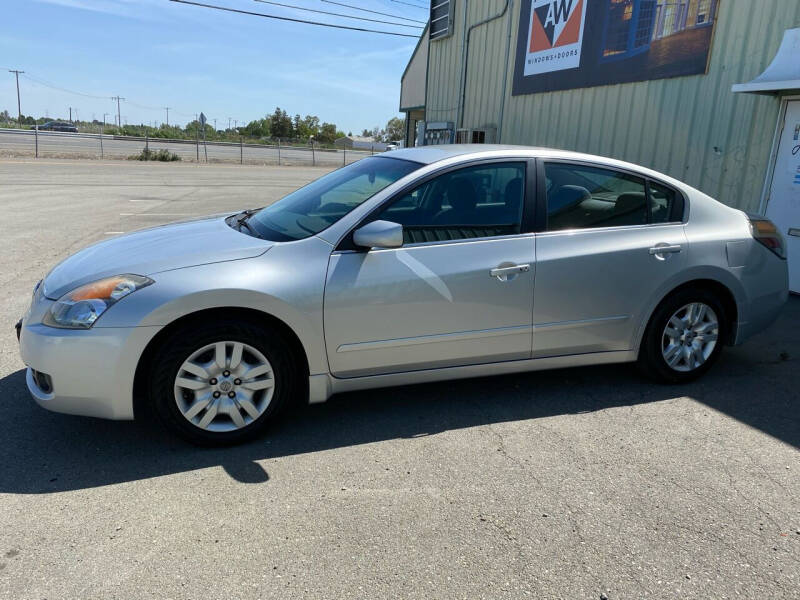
(684,337)
(222,384)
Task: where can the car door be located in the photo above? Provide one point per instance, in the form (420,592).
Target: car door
(611,241)
(458,292)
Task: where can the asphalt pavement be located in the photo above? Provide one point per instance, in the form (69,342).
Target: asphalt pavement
(578,484)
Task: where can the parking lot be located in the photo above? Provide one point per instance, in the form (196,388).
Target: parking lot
(584,483)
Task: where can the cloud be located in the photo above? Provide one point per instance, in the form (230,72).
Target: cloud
(341,70)
(123,8)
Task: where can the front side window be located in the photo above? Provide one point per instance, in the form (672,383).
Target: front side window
(321,203)
(474,202)
(580,197)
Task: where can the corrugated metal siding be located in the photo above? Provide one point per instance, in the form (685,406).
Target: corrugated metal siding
(486,64)
(692,128)
(444,64)
(412,84)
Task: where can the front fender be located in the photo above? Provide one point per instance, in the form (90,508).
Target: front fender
(287,283)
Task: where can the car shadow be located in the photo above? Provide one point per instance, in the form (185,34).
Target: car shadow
(44,452)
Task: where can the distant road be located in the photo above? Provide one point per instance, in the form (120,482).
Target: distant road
(16,142)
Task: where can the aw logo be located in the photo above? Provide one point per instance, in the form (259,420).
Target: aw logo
(555,36)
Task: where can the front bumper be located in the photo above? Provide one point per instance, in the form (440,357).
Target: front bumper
(91,371)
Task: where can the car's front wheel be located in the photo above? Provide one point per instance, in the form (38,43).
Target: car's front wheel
(222,384)
(684,337)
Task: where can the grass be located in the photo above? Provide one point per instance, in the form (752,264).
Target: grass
(162,155)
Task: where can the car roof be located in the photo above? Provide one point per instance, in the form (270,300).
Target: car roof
(432,154)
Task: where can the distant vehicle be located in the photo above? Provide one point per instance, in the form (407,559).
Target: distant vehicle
(434,263)
(57,126)
(391,146)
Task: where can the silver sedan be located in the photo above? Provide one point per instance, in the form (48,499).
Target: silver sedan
(420,265)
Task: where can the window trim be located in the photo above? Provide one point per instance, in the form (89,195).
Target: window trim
(529,204)
(677,216)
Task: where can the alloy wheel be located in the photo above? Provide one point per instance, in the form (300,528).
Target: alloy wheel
(224,386)
(690,337)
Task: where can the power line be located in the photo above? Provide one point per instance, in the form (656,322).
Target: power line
(47,84)
(144,106)
(409,4)
(266,16)
(44,83)
(374,12)
(325,12)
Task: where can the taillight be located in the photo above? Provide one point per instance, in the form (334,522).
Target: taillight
(765,232)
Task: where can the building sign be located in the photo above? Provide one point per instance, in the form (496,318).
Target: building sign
(554,36)
(566,44)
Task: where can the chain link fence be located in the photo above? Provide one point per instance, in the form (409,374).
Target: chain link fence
(53,144)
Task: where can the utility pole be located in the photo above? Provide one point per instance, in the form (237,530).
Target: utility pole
(119,116)
(102,129)
(215,125)
(229,123)
(19,104)
(70,114)
(167,109)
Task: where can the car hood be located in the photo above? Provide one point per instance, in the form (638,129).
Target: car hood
(149,251)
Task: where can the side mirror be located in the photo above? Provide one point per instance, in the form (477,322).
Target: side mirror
(379,234)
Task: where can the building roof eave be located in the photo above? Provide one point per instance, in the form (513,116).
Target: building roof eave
(423,36)
(782,74)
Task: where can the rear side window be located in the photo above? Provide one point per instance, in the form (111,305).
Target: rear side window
(580,197)
(664,204)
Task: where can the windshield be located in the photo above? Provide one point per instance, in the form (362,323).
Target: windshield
(321,203)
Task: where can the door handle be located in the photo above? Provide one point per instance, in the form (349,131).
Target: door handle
(794,231)
(502,273)
(666,249)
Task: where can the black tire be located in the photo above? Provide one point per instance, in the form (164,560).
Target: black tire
(651,359)
(169,358)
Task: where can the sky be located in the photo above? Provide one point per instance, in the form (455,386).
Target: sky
(157,53)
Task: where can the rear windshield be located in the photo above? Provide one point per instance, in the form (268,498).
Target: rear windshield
(321,203)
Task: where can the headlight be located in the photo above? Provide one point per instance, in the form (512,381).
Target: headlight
(81,307)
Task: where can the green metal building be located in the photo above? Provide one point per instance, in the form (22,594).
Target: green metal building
(647,81)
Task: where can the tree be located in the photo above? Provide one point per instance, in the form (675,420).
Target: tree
(377,134)
(327,133)
(366,133)
(258,128)
(280,124)
(193,127)
(307,127)
(395,129)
